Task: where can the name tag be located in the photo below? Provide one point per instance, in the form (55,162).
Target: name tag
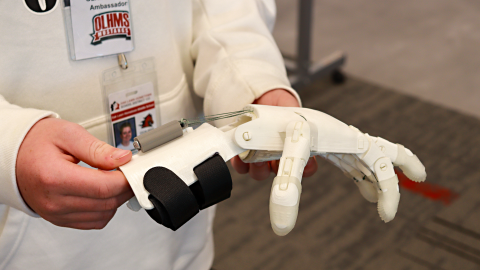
(131,101)
(98,27)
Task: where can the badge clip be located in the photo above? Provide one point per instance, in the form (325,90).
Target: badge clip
(122,61)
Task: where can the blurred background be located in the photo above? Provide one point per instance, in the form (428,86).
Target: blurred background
(425,48)
(408,71)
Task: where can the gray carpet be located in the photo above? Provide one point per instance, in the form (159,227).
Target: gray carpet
(336,227)
(451,240)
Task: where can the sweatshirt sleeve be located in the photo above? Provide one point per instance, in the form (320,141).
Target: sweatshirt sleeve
(15,123)
(236,58)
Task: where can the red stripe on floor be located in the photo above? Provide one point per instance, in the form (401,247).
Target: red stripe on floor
(427,190)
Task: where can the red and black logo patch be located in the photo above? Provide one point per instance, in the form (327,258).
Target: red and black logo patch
(147,121)
(110,25)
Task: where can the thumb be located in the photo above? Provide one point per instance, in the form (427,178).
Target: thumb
(82,145)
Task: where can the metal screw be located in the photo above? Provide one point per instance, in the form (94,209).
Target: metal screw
(383,167)
(137,146)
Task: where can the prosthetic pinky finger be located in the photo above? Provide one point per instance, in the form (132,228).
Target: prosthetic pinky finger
(388,199)
(389,193)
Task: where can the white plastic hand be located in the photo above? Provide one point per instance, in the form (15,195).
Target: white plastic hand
(366,159)
(292,135)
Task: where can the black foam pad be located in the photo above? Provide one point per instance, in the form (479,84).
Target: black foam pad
(174,202)
(214,182)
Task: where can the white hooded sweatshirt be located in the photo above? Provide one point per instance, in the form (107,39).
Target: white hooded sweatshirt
(220,50)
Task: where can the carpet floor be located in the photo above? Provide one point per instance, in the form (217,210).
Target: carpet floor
(436,227)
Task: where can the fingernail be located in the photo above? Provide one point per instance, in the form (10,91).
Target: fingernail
(260,164)
(119,153)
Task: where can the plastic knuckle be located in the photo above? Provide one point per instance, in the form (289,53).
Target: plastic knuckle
(383,164)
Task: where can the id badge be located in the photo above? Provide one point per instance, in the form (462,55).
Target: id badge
(131,101)
(98,28)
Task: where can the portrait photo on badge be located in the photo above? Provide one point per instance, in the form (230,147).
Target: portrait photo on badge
(125,131)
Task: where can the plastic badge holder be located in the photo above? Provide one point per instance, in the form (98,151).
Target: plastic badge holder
(130,95)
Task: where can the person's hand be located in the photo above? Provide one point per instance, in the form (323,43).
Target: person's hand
(261,170)
(61,191)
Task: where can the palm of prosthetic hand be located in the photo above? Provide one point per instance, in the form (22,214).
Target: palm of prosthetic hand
(262,170)
(59,190)
(265,133)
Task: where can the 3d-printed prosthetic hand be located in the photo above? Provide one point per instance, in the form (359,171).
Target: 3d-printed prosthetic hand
(187,172)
